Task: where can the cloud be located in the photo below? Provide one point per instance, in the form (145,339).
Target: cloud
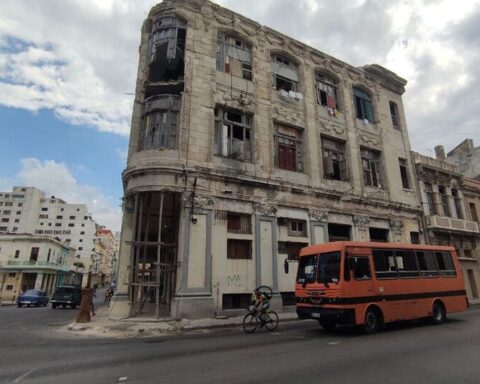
(55,179)
(79,57)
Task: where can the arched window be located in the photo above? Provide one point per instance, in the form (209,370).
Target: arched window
(327,94)
(284,74)
(234,56)
(363,105)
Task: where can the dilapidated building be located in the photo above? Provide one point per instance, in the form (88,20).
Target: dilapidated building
(245,146)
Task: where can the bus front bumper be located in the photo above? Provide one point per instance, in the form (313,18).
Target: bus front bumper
(344,316)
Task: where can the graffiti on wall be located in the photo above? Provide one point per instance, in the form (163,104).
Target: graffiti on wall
(234,281)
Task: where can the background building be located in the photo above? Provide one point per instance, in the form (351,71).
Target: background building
(28,210)
(32,261)
(465,157)
(245,146)
(106,247)
(447,219)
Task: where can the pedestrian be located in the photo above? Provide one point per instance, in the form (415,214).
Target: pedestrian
(92,295)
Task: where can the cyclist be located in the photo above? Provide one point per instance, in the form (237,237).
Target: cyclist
(261,302)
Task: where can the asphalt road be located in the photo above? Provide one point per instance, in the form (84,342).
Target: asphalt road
(298,352)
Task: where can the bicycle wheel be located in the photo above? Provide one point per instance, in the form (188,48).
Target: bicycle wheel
(250,323)
(271,320)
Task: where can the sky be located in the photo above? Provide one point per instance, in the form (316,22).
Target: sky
(68,71)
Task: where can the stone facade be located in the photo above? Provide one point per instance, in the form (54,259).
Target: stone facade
(246,145)
(466,157)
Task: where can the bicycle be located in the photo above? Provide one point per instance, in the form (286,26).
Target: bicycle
(257,319)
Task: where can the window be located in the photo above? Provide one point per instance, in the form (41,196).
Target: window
(362,268)
(17,220)
(445,263)
(363,105)
(444,199)
(467,252)
(233,134)
(81,240)
(297,228)
(71,224)
(430,198)
(20,204)
(378,234)
(404,173)
(473,211)
(85,217)
(394,114)
(338,232)
(18,212)
(58,224)
(8,204)
(9,287)
(414,237)
(159,130)
(12,274)
(289,148)
(291,249)
(80,248)
(234,56)
(384,261)
(427,263)
(72,217)
(239,223)
(3,229)
(49,254)
(82,232)
(334,159)
(1,203)
(34,254)
(5,220)
(284,74)
(327,92)
(44,209)
(60,217)
(457,203)
(7,212)
(406,263)
(17,254)
(371,167)
(14,229)
(239,249)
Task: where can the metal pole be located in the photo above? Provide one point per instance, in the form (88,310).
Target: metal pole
(132,255)
(159,247)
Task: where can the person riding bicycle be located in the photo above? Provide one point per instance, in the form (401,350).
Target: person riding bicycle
(260,300)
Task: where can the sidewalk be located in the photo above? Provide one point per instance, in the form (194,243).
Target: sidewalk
(102,326)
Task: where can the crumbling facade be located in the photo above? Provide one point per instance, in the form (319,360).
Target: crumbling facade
(449,216)
(245,146)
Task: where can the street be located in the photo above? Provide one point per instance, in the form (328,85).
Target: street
(299,351)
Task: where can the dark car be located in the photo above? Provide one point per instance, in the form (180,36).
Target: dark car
(33,297)
(64,295)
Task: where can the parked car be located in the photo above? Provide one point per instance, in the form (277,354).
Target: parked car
(33,297)
(64,295)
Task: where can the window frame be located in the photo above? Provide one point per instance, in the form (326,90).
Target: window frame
(371,158)
(363,105)
(404,175)
(288,143)
(335,150)
(246,242)
(326,86)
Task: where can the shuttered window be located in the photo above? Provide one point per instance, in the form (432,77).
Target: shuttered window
(239,249)
(289,148)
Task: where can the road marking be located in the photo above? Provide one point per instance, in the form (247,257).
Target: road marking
(20,378)
(122,379)
(334,342)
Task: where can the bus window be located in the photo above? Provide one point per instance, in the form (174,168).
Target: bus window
(329,267)
(406,264)
(362,268)
(445,263)
(307,269)
(427,263)
(384,261)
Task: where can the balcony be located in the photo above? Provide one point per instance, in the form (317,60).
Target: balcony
(452,224)
(434,163)
(32,265)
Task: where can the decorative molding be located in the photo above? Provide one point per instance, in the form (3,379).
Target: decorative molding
(265,209)
(317,215)
(287,116)
(332,127)
(362,221)
(369,140)
(204,202)
(396,226)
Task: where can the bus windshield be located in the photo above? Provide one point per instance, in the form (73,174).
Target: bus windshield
(324,268)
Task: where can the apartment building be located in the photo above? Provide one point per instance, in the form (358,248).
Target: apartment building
(106,247)
(29,210)
(450,212)
(32,261)
(245,146)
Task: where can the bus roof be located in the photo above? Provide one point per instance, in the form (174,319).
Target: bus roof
(339,245)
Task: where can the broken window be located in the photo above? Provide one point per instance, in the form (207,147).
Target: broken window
(378,234)
(285,77)
(394,114)
(289,148)
(160,123)
(327,92)
(404,173)
(363,105)
(166,49)
(371,167)
(444,199)
(334,161)
(458,204)
(234,56)
(430,198)
(338,232)
(233,134)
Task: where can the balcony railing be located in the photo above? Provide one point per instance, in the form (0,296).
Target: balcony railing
(11,264)
(450,223)
(426,160)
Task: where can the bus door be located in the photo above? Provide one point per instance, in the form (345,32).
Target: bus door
(361,283)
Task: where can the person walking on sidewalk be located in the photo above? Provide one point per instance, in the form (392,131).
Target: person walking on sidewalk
(92,295)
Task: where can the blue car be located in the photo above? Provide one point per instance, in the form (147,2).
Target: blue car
(33,297)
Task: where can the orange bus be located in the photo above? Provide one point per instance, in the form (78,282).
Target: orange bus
(371,284)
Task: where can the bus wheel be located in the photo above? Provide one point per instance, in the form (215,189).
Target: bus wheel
(328,325)
(439,315)
(372,321)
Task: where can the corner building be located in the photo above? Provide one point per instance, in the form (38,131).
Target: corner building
(245,146)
